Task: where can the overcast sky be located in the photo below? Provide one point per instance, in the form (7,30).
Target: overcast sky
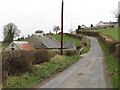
(31,15)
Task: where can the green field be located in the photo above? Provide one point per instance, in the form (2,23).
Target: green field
(67,39)
(110,31)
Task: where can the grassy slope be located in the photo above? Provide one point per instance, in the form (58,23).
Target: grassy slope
(110,31)
(87,48)
(42,71)
(68,38)
(112,65)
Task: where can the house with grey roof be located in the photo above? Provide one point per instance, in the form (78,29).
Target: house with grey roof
(107,24)
(40,41)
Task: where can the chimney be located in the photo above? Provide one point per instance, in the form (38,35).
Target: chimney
(39,33)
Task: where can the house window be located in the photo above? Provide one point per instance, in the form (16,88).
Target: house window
(12,45)
(12,48)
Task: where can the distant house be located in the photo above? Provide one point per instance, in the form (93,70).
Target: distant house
(40,41)
(107,24)
(83,27)
(19,45)
(73,32)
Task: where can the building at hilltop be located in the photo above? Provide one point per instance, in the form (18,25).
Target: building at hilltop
(107,24)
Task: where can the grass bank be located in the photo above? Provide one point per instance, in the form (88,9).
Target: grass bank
(41,72)
(0,45)
(112,66)
(67,38)
(110,31)
(86,48)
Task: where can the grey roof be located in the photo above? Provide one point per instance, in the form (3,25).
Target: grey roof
(108,22)
(48,42)
(43,42)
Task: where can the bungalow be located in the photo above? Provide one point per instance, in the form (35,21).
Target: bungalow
(19,45)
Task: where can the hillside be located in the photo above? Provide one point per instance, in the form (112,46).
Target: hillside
(110,31)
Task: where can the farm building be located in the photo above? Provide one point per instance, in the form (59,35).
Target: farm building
(19,45)
(40,41)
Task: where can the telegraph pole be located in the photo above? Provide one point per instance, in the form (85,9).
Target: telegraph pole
(62,27)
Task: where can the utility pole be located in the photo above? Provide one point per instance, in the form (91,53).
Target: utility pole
(62,27)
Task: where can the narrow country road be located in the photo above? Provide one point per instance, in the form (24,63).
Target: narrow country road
(86,73)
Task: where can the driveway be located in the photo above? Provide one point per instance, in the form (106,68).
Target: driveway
(87,73)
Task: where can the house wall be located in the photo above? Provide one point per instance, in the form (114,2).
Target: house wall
(12,45)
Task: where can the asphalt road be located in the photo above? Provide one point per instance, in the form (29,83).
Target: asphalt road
(87,73)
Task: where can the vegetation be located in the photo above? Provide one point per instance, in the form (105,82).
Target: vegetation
(87,47)
(56,29)
(67,38)
(44,65)
(41,71)
(79,27)
(91,25)
(0,45)
(112,65)
(41,56)
(110,31)
(10,31)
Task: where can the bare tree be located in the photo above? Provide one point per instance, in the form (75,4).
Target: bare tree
(10,31)
(56,29)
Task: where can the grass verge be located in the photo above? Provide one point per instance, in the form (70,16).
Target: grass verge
(41,72)
(86,48)
(109,31)
(0,45)
(112,66)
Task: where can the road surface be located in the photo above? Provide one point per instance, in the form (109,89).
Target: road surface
(87,73)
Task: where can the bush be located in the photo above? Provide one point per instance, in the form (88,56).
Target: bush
(41,56)
(84,41)
(17,62)
(117,51)
(5,58)
(70,52)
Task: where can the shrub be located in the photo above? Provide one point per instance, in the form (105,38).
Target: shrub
(52,54)
(117,51)
(5,57)
(70,52)
(41,56)
(84,41)
(20,62)
(17,62)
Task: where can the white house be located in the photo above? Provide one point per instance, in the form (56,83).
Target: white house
(107,24)
(83,26)
(19,45)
